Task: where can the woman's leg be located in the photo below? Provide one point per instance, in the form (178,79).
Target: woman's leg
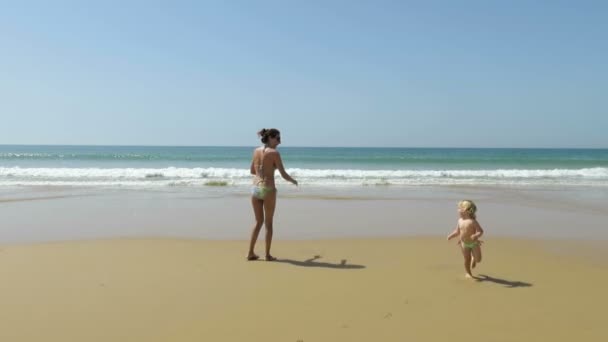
(258,210)
(269,205)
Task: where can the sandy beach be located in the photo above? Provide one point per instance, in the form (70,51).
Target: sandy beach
(139,140)
(330,290)
(78,265)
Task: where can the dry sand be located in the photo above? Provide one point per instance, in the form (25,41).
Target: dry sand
(401,289)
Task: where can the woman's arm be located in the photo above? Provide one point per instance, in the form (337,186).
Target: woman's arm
(284,174)
(252,168)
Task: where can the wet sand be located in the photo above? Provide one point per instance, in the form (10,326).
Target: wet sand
(218,214)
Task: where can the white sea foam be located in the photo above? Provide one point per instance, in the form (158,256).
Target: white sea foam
(172,176)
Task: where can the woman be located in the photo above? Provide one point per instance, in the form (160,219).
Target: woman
(266,159)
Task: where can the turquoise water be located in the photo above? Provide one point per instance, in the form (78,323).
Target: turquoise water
(145,166)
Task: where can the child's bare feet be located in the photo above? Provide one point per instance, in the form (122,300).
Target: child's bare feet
(270,258)
(252,257)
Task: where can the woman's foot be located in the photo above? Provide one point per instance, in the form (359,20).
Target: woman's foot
(252,257)
(270,258)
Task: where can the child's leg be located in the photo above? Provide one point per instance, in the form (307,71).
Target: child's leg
(466,253)
(476,251)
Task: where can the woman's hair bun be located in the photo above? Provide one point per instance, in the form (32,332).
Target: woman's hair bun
(265,134)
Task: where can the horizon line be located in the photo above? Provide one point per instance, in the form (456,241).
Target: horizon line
(302,146)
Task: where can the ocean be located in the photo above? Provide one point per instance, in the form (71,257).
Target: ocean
(145,167)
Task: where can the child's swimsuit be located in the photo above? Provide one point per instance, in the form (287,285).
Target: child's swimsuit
(470,245)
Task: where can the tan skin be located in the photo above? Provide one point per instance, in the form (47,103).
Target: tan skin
(468,230)
(270,159)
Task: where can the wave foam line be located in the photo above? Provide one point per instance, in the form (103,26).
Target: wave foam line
(233,173)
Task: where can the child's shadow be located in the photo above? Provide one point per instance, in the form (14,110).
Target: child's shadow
(313,263)
(506,283)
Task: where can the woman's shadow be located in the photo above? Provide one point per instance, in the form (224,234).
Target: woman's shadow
(506,283)
(312,262)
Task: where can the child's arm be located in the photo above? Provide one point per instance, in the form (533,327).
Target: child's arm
(478,231)
(453,234)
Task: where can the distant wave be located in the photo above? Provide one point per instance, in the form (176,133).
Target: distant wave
(173,176)
(74,156)
(363,158)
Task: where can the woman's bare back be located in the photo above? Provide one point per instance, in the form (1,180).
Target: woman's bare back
(264,165)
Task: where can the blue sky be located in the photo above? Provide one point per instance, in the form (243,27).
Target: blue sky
(327,73)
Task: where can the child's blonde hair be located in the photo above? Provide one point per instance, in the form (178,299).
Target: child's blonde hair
(469,207)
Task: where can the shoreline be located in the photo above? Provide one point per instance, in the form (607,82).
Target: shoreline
(40,215)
